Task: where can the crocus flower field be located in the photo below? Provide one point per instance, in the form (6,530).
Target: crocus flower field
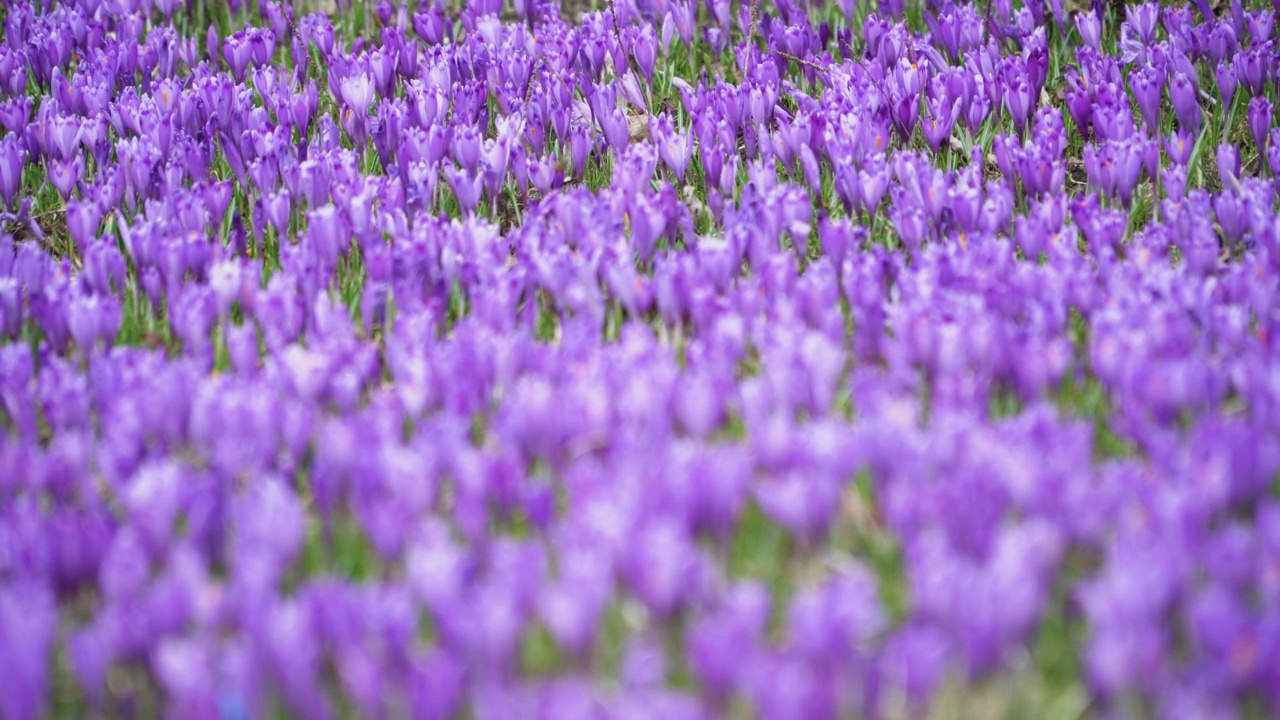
(639,359)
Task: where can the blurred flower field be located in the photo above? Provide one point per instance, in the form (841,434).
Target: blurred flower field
(639,359)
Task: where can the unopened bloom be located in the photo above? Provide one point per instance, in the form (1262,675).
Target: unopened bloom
(12,159)
(1260,122)
(674,146)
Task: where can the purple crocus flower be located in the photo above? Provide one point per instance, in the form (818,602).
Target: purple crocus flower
(1228,159)
(613,123)
(1147,85)
(327,230)
(719,641)
(1227,81)
(1090,29)
(1143,19)
(238,52)
(83,220)
(645,50)
(1184,94)
(466,147)
(1251,68)
(1273,152)
(466,186)
(65,175)
(1260,112)
(1174,181)
(1179,145)
(12,159)
(674,146)
(276,208)
(357,92)
(1017,99)
(942,117)
(873,183)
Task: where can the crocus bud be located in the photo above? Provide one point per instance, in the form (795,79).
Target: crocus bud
(83,220)
(1227,80)
(1018,100)
(1183,93)
(12,160)
(645,49)
(466,187)
(1174,180)
(1260,122)
(1228,158)
(1147,86)
(1090,28)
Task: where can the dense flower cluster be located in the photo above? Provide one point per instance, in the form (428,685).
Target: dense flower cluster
(677,359)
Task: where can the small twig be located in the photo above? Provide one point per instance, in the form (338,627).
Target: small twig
(533,75)
(806,63)
(755,6)
(617,36)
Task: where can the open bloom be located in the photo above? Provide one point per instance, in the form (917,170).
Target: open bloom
(357,92)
